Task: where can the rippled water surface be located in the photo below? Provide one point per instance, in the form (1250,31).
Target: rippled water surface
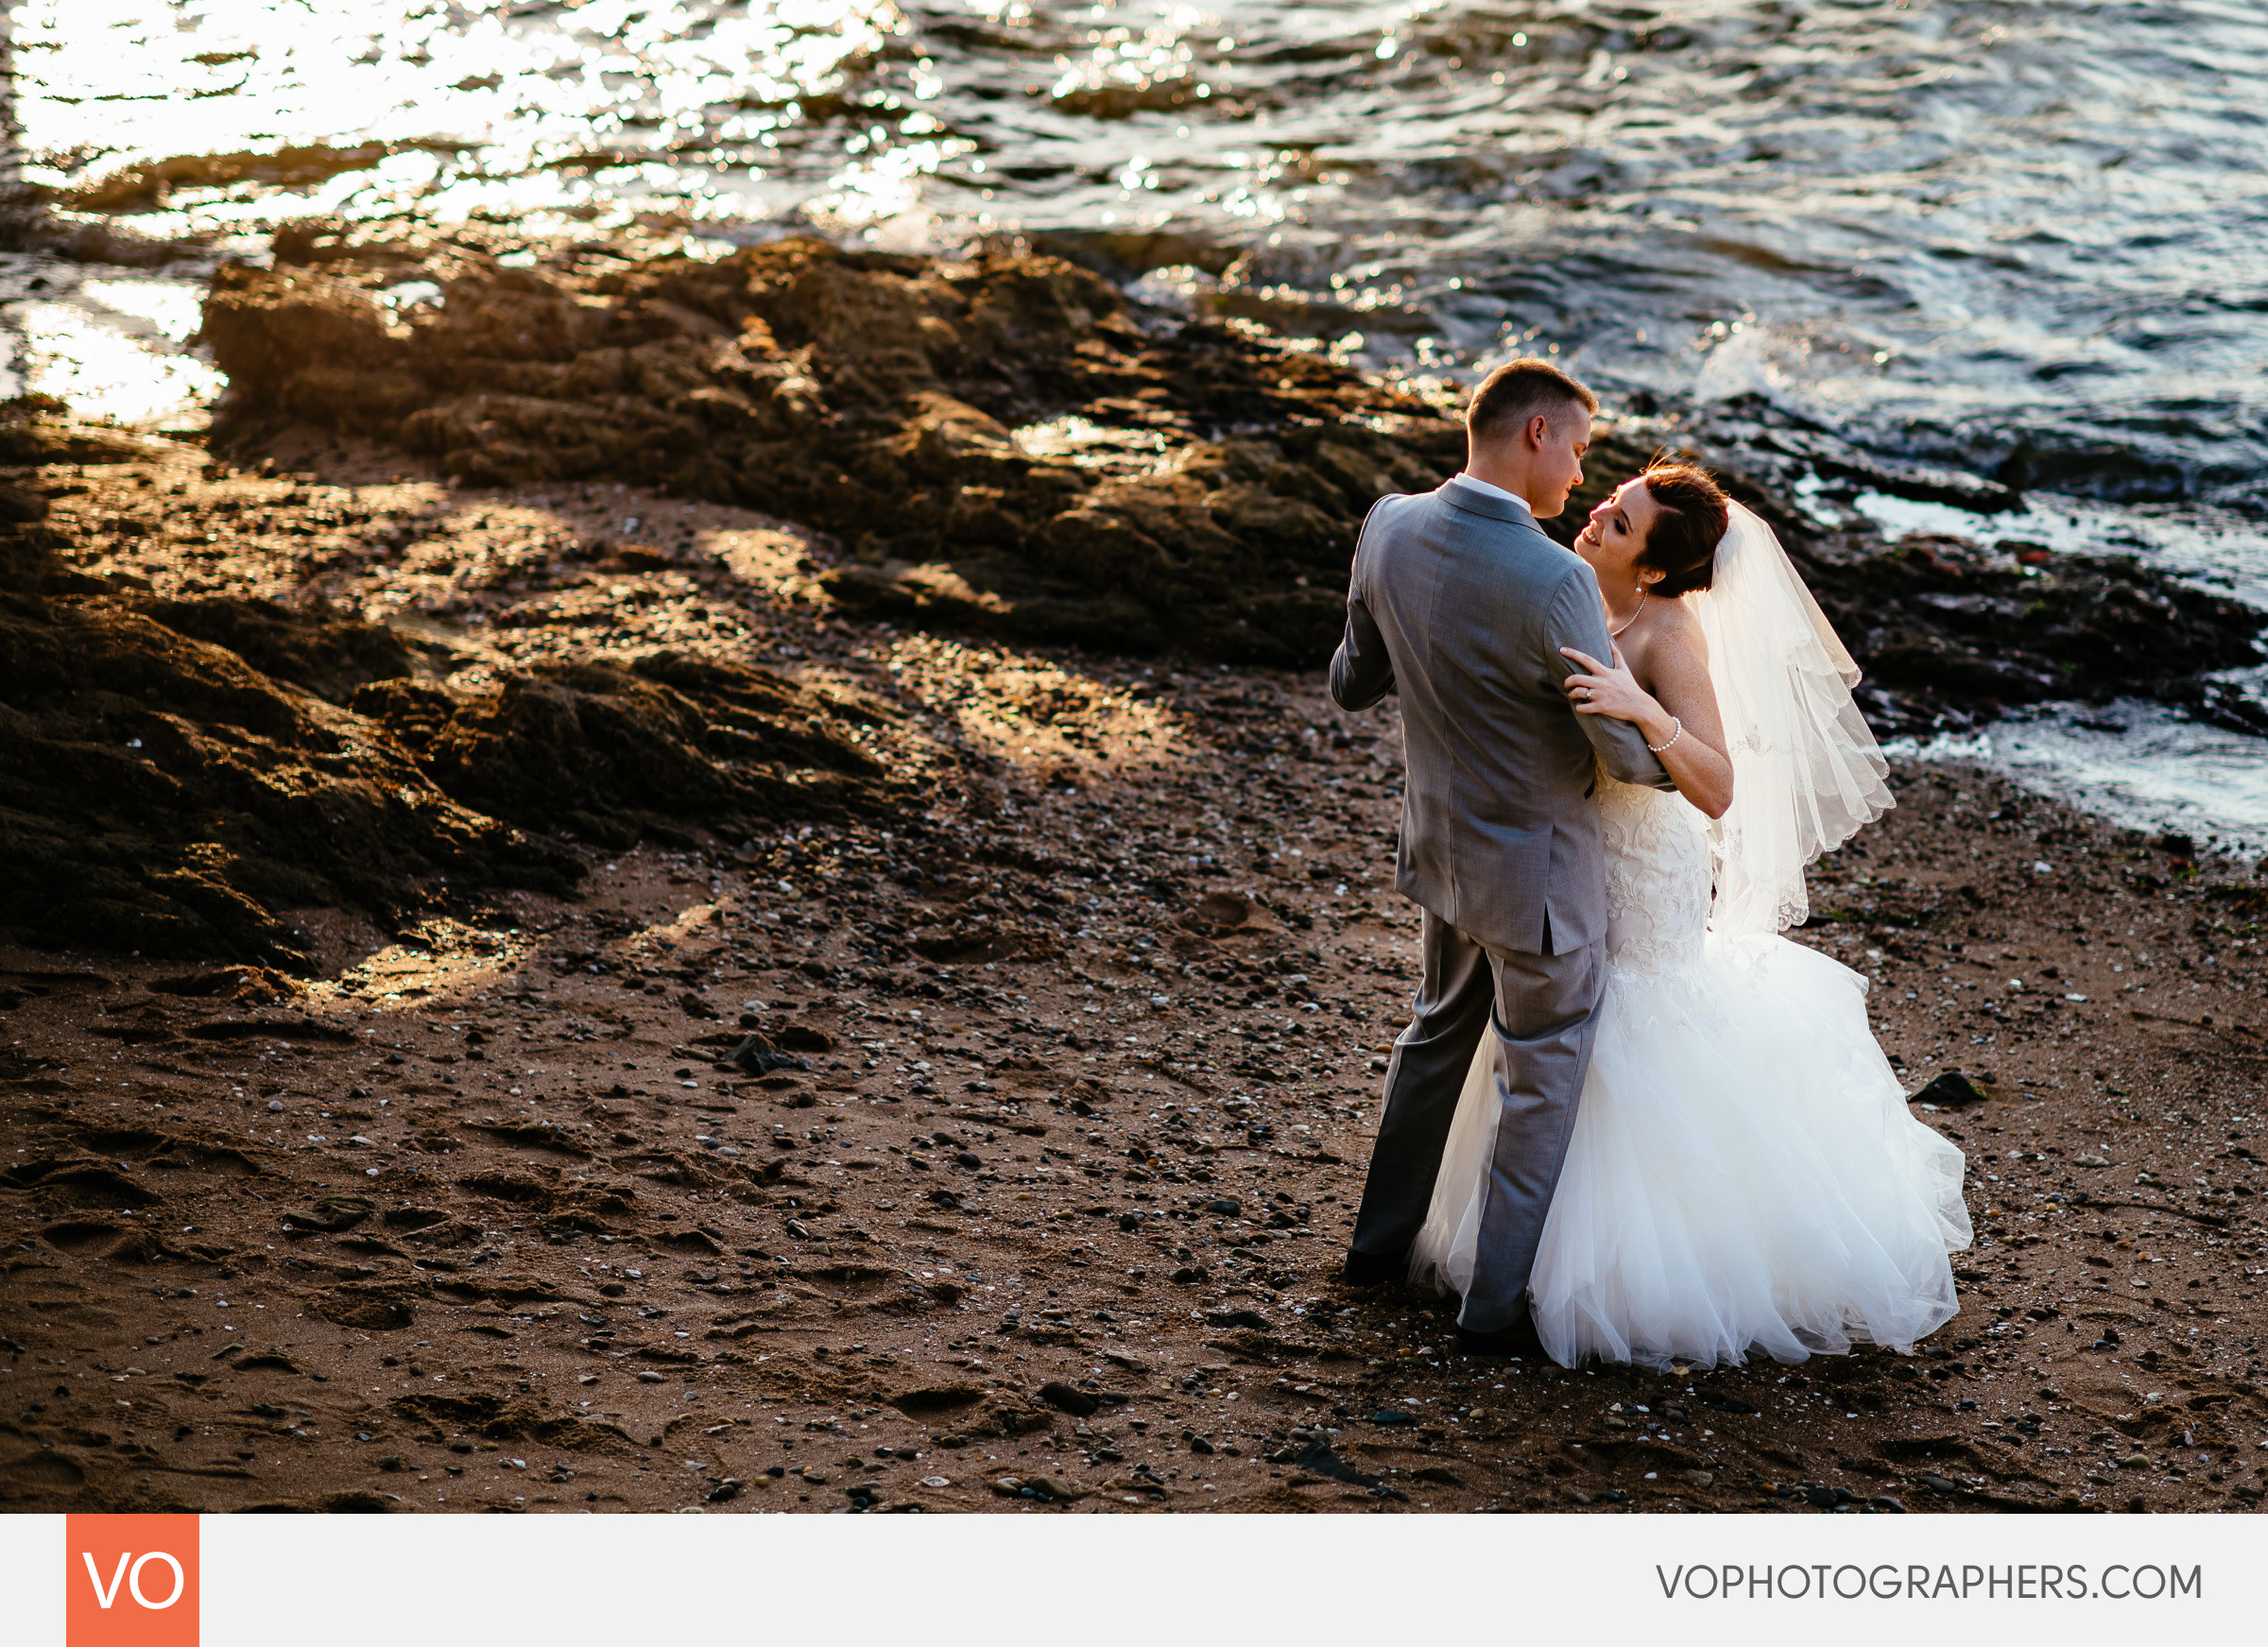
(2026,236)
(2032,231)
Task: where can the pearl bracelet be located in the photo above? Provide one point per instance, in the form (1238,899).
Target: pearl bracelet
(1678,732)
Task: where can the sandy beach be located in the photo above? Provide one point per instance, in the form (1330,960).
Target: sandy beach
(1061,983)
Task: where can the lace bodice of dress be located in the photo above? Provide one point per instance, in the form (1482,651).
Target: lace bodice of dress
(1656,878)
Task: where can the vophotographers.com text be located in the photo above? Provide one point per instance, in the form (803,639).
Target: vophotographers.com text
(1913,1581)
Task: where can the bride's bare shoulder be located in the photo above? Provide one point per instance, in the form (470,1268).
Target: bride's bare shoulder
(1670,638)
(1680,621)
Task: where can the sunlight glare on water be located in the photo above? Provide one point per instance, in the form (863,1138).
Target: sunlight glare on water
(107,86)
(2033,237)
(64,350)
(170,306)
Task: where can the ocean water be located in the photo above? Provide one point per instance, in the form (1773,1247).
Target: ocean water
(2023,238)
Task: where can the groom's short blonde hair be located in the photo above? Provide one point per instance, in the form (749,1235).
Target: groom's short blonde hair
(1520,389)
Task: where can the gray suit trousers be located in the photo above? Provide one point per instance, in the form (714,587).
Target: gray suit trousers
(1543,1012)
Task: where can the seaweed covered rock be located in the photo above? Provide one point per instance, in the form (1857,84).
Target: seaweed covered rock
(1946,618)
(313,650)
(611,752)
(1004,445)
(158,794)
(176,774)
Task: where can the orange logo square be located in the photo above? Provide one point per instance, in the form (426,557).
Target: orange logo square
(130,1581)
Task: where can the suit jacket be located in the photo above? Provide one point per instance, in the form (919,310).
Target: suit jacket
(1461,604)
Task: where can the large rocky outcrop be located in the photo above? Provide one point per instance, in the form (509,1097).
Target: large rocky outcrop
(1002,441)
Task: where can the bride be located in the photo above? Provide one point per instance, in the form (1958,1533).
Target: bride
(1743,1174)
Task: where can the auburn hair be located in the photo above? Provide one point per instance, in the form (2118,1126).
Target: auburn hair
(1682,542)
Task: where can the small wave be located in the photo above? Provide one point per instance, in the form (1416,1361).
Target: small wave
(2140,764)
(1944,747)
(2160,771)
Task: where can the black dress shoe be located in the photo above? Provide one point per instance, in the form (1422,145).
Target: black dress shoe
(1518,1339)
(1368,1269)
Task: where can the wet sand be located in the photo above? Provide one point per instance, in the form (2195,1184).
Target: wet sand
(1073,1062)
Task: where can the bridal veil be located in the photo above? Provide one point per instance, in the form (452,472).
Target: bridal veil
(1807,773)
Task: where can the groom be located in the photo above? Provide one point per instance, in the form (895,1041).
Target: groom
(1461,604)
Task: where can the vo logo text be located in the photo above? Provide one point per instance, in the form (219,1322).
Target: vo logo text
(130,1581)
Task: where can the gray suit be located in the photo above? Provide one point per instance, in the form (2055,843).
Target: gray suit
(1461,604)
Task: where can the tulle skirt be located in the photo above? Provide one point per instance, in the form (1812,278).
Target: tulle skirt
(1743,1176)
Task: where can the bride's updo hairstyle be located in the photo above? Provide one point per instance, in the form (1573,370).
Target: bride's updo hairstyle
(1682,545)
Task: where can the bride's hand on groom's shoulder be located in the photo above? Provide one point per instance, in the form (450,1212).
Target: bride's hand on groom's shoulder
(1607,689)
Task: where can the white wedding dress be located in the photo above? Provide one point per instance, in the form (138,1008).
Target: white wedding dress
(1743,1176)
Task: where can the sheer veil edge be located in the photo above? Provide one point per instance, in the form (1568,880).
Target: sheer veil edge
(1807,771)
